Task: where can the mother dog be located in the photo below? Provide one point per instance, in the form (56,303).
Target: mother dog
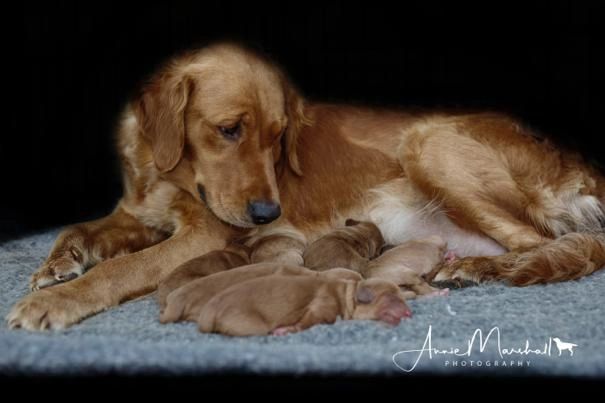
(219,144)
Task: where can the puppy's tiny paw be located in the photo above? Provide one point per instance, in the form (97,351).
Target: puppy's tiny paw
(283,331)
(449,257)
(438,293)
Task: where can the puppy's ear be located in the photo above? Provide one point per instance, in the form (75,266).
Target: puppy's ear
(160,109)
(364,295)
(295,109)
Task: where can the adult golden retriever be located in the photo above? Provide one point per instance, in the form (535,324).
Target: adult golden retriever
(219,144)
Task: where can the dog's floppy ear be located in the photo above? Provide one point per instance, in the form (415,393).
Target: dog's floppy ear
(160,109)
(295,109)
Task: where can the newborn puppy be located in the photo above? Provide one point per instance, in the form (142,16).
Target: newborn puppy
(406,264)
(278,249)
(234,255)
(186,302)
(281,304)
(350,247)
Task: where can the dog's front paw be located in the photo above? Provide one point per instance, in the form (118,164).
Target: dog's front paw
(44,310)
(59,268)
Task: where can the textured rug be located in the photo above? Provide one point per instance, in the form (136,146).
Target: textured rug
(514,333)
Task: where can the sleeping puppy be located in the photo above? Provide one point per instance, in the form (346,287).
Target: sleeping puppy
(185,303)
(351,247)
(278,249)
(280,304)
(275,248)
(234,255)
(407,264)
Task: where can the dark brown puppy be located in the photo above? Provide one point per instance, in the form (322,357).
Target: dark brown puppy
(278,249)
(234,255)
(351,247)
(281,304)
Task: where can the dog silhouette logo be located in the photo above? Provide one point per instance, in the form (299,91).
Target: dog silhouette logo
(562,346)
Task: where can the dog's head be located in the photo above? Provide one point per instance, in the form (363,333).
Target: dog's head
(219,122)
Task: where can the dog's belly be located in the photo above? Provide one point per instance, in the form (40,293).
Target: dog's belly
(402,213)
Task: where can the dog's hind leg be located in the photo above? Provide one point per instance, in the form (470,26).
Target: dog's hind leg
(83,245)
(471,180)
(493,177)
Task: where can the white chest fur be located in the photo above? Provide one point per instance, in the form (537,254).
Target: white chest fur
(403,213)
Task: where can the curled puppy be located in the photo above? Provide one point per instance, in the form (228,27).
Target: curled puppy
(281,304)
(275,248)
(234,255)
(407,264)
(278,249)
(351,247)
(186,302)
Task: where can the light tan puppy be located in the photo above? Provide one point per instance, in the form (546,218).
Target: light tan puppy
(281,304)
(407,264)
(351,247)
(186,302)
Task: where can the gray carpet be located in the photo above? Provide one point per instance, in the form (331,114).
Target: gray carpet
(130,340)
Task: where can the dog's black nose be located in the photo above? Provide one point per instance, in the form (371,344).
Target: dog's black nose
(263,211)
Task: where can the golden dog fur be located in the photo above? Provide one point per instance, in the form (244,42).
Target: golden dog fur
(220,127)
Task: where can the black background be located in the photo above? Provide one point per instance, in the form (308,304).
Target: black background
(72,65)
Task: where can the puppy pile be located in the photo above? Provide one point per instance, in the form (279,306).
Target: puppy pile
(264,289)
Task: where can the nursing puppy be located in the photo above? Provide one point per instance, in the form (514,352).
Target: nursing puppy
(351,247)
(234,255)
(407,264)
(278,249)
(186,302)
(282,304)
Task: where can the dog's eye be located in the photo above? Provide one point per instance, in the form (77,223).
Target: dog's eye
(231,132)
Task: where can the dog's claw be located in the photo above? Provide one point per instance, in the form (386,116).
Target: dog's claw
(59,269)
(66,277)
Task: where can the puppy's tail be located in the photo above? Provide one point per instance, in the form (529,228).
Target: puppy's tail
(569,257)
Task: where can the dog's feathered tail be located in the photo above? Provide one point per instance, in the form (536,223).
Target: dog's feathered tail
(568,257)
